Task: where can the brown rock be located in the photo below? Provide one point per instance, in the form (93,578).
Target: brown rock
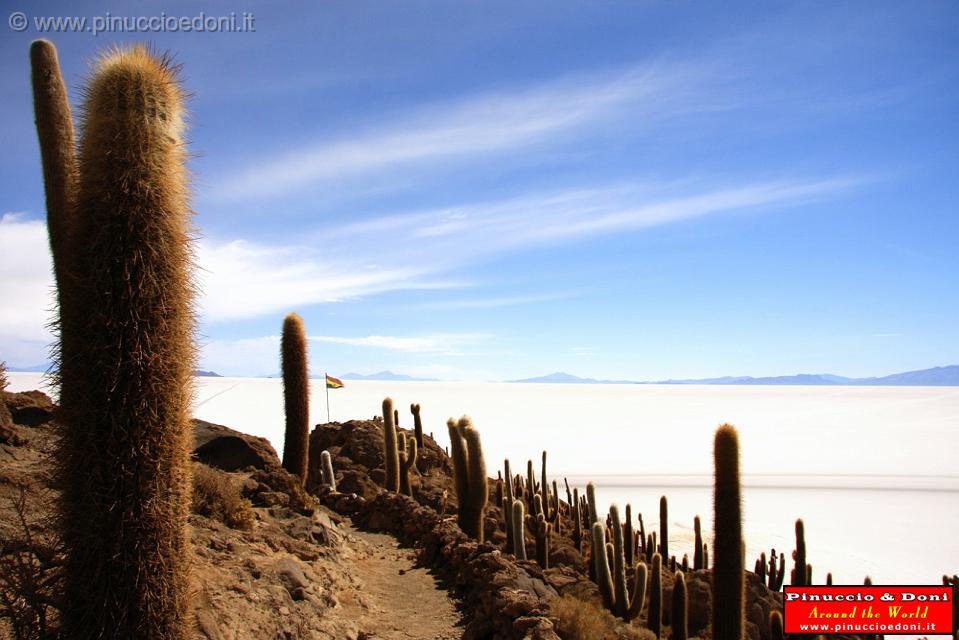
(229,450)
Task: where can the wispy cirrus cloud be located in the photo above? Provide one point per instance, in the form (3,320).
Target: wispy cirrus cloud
(494,122)
(253,356)
(470,230)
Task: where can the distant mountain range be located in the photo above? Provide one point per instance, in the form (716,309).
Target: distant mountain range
(936,377)
(206,374)
(385,375)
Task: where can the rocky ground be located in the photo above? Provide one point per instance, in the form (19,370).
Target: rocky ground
(298,571)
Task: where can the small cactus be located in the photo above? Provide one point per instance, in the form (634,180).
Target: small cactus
(417,425)
(508,508)
(407,464)
(326,470)
(698,545)
(775,625)
(678,619)
(654,617)
(601,565)
(519,536)
(541,530)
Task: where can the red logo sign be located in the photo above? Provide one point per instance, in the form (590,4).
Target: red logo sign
(898,609)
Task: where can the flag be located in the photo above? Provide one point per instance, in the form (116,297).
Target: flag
(333,383)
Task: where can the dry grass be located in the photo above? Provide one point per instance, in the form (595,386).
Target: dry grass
(217,496)
(31,564)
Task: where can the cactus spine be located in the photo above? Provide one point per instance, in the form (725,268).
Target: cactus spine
(728,577)
(519,536)
(654,617)
(417,425)
(679,612)
(326,470)
(124,453)
(391,448)
(296,396)
(407,464)
(469,470)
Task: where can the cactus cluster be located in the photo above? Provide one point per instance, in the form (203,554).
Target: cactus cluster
(469,474)
(391,448)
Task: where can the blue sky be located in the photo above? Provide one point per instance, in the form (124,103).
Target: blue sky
(487,190)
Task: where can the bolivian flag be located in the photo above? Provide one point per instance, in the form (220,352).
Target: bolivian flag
(333,383)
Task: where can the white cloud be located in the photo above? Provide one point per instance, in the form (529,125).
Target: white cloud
(494,122)
(241,279)
(444,344)
(260,355)
(26,290)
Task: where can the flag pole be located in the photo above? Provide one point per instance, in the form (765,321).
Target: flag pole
(325,376)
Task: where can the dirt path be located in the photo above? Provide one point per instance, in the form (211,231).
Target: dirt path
(404,601)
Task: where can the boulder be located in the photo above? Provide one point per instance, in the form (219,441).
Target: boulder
(229,450)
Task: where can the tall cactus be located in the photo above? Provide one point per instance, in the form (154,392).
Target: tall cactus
(622,606)
(654,617)
(698,545)
(124,452)
(604,577)
(390,447)
(728,574)
(508,505)
(663,528)
(296,396)
(678,619)
(58,155)
(469,470)
(800,574)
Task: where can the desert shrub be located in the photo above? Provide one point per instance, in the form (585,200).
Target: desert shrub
(577,619)
(31,562)
(581,620)
(217,496)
